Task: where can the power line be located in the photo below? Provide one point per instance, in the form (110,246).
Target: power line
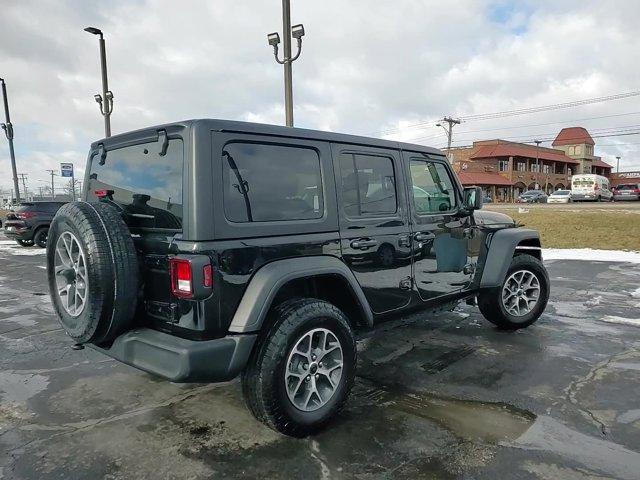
(521,111)
(544,108)
(574,120)
(623,134)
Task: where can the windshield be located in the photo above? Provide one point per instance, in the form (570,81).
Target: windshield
(583,183)
(562,192)
(627,186)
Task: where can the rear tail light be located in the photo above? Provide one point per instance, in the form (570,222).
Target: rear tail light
(25,215)
(191,276)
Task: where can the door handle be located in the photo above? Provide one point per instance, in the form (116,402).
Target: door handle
(423,237)
(364,243)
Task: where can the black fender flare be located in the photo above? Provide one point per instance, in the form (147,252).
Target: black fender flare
(266,282)
(504,244)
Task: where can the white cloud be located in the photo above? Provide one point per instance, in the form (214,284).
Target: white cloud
(367,66)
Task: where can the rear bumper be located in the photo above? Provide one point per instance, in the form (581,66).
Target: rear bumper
(181,360)
(18,232)
(633,196)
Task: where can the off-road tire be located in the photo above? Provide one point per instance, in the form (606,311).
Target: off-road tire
(263,380)
(111,266)
(25,243)
(490,301)
(40,238)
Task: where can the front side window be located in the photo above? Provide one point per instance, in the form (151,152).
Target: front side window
(368,185)
(431,187)
(146,185)
(268,183)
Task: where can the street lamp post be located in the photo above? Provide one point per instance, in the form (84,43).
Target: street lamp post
(8,131)
(538,142)
(618,164)
(297,32)
(105,101)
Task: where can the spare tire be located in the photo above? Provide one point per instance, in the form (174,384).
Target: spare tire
(92,269)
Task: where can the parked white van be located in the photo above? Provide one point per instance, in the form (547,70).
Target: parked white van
(590,187)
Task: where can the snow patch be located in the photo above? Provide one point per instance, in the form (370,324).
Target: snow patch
(636,293)
(15,249)
(590,254)
(635,322)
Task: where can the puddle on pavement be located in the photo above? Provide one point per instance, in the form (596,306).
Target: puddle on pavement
(467,419)
(506,425)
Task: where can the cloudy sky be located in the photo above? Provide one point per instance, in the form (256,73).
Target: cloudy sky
(368,67)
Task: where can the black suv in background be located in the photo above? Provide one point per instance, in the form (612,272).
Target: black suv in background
(29,223)
(208,249)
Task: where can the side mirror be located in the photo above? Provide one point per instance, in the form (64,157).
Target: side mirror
(473,198)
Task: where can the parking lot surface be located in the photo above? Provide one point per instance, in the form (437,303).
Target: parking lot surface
(437,396)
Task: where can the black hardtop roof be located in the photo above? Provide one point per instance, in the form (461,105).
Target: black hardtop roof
(266,129)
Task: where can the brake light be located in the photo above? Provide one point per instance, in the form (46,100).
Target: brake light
(191,276)
(25,215)
(181,278)
(104,193)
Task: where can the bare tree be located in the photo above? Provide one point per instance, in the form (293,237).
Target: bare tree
(69,188)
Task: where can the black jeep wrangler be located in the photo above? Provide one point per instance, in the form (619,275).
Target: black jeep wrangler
(208,249)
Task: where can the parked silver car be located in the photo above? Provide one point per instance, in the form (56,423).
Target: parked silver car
(627,191)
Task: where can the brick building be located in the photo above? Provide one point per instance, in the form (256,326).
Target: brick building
(506,169)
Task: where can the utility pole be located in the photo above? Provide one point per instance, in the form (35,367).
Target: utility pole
(297,32)
(618,164)
(23,177)
(53,194)
(537,142)
(8,131)
(450,122)
(105,101)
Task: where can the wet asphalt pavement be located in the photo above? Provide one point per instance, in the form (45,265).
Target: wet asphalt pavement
(437,396)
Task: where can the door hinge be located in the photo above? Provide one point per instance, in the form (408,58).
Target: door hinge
(406,283)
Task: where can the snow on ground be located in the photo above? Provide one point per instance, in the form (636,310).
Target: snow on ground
(15,249)
(590,254)
(635,322)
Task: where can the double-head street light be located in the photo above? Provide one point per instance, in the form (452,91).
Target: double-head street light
(105,101)
(297,32)
(8,131)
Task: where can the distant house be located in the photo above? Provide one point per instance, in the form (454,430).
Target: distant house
(506,169)
(576,143)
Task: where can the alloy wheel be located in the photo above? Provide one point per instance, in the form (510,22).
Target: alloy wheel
(314,369)
(520,293)
(70,269)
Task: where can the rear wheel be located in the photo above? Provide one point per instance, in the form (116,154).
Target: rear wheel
(300,375)
(40,238)
(521,298)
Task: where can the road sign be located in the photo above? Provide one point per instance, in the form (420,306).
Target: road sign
(66,170)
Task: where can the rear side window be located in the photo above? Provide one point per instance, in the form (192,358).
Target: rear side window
(267,183)
(145,184)
(368,185)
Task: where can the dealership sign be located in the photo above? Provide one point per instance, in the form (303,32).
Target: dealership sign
(66,170)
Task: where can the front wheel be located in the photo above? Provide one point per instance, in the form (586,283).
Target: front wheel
(521,298)
(301,373)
